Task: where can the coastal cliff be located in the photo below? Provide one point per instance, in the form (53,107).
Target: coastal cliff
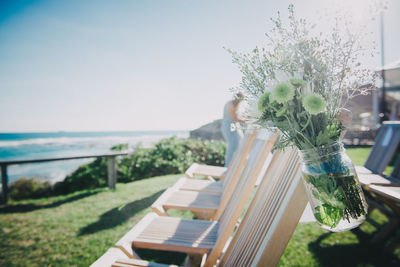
(210,131)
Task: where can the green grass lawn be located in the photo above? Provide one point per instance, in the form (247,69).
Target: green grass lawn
(76,229)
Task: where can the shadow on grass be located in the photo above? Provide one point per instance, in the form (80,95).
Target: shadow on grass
(119,215)
(359,254)
(158,256)
(20,208)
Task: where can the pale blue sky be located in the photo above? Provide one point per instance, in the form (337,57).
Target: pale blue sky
(135,65)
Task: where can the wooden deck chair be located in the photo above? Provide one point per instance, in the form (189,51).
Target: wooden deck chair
(368,177)
(209,205)
(192,236)
(267,225)
(385,198)
(232,171)
(386,143)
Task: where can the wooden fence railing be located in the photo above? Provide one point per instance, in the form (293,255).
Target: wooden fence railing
(111,169)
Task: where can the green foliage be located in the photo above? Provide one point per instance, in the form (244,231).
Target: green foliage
(29,188)
(328,215)
(336,189)
(170,156)
(88,176)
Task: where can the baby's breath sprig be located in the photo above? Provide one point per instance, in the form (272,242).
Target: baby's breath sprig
(302,80)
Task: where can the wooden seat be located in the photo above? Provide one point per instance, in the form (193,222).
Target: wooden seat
(209,205)
(189,236)
(200,185)
(194,201)
(263,233)
(209,171)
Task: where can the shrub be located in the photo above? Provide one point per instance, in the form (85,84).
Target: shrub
(29,188)
(170,156)
(87,176)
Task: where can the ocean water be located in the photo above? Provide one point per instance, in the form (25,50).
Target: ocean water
(21,146)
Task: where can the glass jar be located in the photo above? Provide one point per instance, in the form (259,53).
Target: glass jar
(333,189)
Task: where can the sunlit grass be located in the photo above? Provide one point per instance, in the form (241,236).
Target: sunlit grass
(76,229)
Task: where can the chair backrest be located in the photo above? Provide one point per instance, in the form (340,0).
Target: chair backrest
(237,161)
(272,216)
(239,158)
(385,146)
(242,191)
(262,146)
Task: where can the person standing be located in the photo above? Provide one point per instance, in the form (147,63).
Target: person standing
(230,132)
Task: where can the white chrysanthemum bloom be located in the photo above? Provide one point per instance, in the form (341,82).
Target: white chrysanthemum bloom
(314,103)
(282,93)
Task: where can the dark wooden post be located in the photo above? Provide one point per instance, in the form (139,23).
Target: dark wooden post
(112,172)
(4,183)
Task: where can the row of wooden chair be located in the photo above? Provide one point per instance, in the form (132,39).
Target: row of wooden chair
(270,219)
(260,228)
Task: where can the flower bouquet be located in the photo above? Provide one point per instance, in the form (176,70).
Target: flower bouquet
(300,86)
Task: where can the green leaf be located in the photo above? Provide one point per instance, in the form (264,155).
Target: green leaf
(281,111)
(328,215)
